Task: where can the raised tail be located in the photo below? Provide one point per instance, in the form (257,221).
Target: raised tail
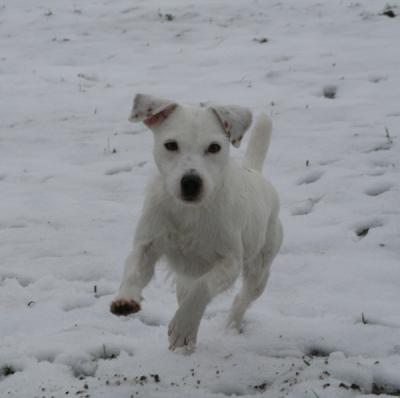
(257,147)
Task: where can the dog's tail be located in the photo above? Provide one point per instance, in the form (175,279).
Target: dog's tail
(257,147)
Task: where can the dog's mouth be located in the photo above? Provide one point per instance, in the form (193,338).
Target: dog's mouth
(191,199)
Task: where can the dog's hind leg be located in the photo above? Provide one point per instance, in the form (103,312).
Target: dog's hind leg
(254,280)
(255,276)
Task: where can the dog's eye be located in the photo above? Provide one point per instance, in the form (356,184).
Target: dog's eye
(171,146)
(214,148)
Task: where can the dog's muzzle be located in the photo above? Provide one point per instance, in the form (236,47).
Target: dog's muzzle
(191,187)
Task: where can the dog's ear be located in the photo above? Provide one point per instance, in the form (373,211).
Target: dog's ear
(152,111)
(234,120)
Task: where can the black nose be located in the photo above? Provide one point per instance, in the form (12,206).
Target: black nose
(191,185)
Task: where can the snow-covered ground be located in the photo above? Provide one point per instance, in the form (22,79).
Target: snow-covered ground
(73,171)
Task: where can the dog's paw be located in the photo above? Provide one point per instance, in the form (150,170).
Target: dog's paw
(182,332)
(123,307)
(235,325)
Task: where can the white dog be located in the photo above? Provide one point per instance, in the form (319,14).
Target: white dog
(210,218)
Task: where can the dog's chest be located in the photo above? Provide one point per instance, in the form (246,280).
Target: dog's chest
(192,248)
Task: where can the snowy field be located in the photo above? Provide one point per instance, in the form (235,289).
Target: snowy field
(73,172)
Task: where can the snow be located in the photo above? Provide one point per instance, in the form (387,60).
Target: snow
(73,173)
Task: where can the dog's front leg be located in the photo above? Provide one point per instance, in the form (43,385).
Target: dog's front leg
(139,269)
(184,326)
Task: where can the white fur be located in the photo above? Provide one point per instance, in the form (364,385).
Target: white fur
(234,227)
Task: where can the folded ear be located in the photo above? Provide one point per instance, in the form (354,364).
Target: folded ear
(234,120)
(152,111)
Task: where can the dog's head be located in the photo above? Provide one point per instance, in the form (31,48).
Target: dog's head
(191,142)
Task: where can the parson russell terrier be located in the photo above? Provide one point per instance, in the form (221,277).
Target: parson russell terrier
(212,219)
